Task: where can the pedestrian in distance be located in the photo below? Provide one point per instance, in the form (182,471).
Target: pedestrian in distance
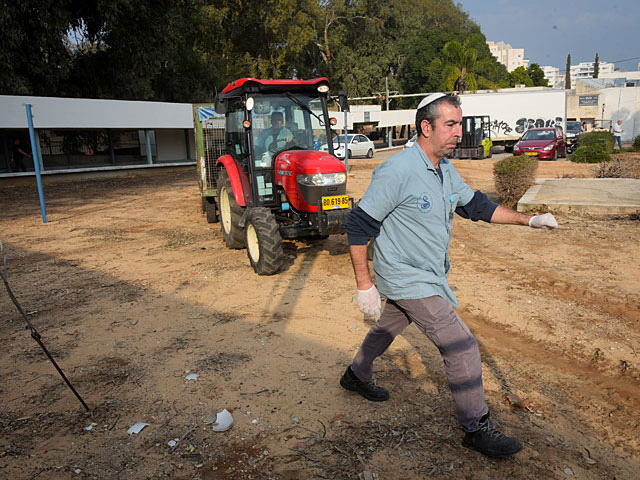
(409,208)
(18,154)
(617,133)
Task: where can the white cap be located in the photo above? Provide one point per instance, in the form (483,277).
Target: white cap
(430,98)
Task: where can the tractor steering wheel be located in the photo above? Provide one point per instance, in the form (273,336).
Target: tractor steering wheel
(273,147)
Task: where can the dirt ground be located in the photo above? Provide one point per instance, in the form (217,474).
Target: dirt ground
(132,290)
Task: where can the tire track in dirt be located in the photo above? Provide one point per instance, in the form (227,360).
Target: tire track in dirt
(604,301)
(605,404)
(493,335)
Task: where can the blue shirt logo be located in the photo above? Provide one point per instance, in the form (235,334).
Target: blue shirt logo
(424,203)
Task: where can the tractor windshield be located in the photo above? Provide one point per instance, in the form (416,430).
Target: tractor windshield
(286,122)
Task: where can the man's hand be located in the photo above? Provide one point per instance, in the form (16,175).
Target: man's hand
(546,221)
(369,301)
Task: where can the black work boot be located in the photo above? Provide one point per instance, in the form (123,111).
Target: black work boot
(490,441)
(368,390)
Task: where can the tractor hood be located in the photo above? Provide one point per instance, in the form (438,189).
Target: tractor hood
(296,162)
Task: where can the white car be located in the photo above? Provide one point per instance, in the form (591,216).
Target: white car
(411,141)
(359,146)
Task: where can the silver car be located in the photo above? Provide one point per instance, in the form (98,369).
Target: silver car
(359,146)
(411,141)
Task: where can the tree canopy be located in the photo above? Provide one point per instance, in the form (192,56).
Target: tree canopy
(186,50)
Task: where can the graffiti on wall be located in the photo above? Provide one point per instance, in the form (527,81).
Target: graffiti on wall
(500,128)
(524,124)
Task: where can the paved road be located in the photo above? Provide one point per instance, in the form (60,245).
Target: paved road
(385,154)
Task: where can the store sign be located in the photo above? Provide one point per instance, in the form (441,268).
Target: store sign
(588,101)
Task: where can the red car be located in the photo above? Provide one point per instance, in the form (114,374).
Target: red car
(545,143)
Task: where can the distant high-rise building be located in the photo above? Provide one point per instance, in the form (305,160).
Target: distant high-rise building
(511,58)
(586,69)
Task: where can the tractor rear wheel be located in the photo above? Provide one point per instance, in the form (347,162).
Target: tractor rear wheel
(230,213)
(210,209)
(263,240)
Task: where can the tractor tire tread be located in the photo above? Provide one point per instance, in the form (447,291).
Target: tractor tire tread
(269,239)
(235,238)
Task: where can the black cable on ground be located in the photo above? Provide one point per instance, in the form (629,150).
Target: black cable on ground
(34,333)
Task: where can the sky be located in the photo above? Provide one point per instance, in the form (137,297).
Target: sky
(548,30)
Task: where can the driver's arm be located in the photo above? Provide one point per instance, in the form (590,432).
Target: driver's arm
(285,134)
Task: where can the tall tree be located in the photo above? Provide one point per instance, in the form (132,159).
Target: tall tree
(596,67)
(567,74)
(537,76)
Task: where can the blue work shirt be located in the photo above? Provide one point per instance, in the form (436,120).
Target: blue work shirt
(411,256)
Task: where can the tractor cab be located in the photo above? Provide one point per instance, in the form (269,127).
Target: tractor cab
(272,181)
(475,142)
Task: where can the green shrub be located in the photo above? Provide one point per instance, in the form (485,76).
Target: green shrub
(597,138)
(636,143)
(590,154)
(513,176)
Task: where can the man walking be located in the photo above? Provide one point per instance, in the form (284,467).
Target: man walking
(409,209)
(617,133)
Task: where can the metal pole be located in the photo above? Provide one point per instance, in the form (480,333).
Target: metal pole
(147,135)
(346,141)
(7,154)
(187,143)
(36,161)
(111,149)
(389,129)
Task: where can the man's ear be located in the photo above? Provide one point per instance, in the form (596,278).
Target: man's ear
(425,128)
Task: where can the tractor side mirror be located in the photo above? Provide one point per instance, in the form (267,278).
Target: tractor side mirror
(220,106)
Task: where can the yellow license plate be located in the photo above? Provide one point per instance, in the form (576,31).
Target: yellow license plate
(531,153)
(335,202)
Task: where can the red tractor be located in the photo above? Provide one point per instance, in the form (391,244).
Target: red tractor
(271,180)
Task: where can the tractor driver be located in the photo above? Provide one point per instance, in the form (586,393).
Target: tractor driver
(277,133)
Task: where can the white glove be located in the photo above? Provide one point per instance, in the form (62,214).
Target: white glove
(369,301)
(546,221)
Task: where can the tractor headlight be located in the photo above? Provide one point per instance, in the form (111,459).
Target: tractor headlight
(321,179)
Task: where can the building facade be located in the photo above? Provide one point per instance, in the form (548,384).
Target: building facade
(587,69)
(552,74)
(511,58)
(73,134)
(601,102)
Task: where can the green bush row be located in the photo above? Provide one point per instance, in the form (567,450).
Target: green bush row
(589,154)
(513,176)
(599,139)
(595,147)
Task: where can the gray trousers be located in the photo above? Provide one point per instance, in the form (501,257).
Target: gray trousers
(435,317)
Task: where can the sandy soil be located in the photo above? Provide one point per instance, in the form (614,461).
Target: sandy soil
(131,290)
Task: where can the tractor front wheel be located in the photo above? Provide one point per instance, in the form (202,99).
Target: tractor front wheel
(230,213)
(263,240)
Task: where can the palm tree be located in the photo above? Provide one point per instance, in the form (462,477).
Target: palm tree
(459,62)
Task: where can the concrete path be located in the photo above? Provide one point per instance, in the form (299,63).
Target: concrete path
(604,196)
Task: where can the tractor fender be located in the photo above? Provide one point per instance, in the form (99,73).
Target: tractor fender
(240,188)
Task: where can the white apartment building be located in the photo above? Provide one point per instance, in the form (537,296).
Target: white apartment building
(511,58)
(585,70)
(552,74)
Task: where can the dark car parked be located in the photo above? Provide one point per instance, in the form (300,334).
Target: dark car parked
(545,143)
(573,130)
